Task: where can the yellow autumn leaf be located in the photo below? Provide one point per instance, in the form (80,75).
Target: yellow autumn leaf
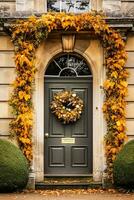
(113,150)
(27,97)
(21,94)
(21,82)
(28,141)
(118,123)
(114,107)
(113,157)
(124,83)
(108,84)
(25,140)
(114,74)
(27,152)
(121,135)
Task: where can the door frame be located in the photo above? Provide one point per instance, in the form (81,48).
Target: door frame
(99,127)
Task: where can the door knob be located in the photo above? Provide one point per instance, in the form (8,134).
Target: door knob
(46,135)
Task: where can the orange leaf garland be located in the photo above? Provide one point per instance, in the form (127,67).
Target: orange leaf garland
(27,35)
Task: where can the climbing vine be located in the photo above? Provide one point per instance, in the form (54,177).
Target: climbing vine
(28,34)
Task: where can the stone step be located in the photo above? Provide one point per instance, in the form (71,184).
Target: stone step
(74,185)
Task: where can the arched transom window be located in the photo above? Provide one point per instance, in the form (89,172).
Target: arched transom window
(68,65)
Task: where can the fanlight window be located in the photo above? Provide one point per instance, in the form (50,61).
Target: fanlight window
(74,6)
(68,65)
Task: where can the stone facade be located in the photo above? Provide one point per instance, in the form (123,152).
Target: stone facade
(24,7)
(90,49)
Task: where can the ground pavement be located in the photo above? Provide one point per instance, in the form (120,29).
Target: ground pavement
(67,195)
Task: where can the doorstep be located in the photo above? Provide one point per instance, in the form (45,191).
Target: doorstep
(68,183)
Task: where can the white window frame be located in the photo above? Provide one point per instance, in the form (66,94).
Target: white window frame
(61,6)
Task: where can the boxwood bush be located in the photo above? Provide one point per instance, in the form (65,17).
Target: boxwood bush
(13,167)
(123,171)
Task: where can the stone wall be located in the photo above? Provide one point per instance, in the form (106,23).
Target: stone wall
(127,7)
(130,98)
(7,75)
(118,7)
(112,7)
(24,5)
(7,7)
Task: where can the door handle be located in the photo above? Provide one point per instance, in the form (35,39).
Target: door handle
(46,135)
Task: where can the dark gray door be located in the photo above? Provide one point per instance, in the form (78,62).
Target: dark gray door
(73,157)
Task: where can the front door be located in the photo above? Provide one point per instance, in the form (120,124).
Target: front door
(71,156)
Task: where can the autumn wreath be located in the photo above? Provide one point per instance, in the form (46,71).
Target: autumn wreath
(67,106)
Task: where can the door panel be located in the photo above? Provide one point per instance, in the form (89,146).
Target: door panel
(56,129)
(79,156)
(79,129)
(73,155)
(56,156)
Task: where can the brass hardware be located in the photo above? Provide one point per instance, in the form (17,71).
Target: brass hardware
(68,140)
(46,135)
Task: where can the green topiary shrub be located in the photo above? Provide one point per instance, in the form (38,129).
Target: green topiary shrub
(123,171)
(13,167)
